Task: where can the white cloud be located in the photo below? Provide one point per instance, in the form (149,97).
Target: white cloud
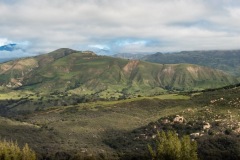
(99,46)
(4,41)
(79,24)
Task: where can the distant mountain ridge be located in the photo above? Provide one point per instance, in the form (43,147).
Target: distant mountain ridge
(84,72)
(226,60)
(8,47)
(130,55)
(5,59)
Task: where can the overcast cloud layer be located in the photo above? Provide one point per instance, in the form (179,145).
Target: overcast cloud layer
(40,26)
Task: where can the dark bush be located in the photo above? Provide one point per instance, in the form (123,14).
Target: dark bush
(219,147)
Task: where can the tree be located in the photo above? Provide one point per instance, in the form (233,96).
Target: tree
(27,153)
(168,146)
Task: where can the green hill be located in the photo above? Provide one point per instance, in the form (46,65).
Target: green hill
(226,60)
(87,73)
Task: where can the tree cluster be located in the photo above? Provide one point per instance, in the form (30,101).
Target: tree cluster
(168,146)
(11,151)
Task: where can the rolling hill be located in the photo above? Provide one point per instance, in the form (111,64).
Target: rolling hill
(226,60)
(87,73)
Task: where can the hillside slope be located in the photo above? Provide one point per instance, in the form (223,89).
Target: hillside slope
(123,129)
(86,73)
(226,60)
(211,118)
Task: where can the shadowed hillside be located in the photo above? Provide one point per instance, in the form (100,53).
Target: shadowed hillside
(226,60)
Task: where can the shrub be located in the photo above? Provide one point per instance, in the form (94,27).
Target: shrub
(219,147)
(228,131)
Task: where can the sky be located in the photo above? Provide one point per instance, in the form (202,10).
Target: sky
(118,26)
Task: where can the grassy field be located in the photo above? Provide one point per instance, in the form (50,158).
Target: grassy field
(85,126)
(16,95)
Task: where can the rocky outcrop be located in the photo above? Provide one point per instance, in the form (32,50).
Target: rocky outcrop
(206,125)
(178,119)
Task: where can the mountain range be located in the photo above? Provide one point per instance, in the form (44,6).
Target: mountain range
(84,72)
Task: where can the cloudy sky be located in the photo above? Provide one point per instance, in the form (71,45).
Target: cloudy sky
(113,26)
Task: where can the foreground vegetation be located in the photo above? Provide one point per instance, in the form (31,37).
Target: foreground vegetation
(11,151)
(66,126)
